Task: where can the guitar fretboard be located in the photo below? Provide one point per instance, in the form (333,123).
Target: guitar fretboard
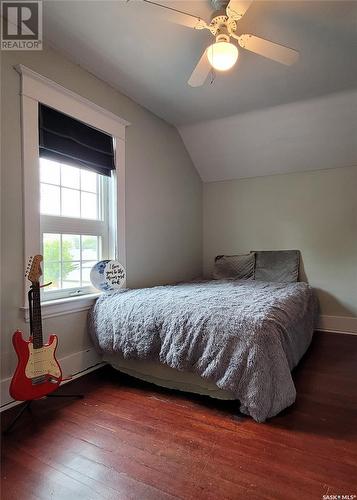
(36,317)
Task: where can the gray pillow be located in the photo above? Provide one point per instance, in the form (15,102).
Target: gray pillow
(234,266)
(279,265)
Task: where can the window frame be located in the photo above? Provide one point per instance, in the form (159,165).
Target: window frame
(37,89)
(58,224)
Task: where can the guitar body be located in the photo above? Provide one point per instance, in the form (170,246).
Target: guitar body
(38,372)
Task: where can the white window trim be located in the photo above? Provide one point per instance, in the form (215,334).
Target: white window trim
(36,89)
(67,305)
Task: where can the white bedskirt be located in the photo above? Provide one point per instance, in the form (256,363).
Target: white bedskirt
(165,376)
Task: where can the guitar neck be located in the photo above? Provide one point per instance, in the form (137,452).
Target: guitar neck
(36,323)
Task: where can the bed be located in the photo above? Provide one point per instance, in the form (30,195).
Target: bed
(228,338)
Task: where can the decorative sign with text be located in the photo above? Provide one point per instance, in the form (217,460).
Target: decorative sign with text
(108,275)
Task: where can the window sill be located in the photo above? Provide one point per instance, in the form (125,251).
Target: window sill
(59,307)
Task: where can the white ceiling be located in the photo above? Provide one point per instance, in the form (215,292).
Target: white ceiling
(150,60)
(300,136)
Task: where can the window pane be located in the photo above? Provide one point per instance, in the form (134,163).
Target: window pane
(52,273)
(89,206)
(70,176)
(68,259)
(71,247)
(88,181)
(49,171)
(71,275)
(50,199)
(86,269)
(89,247)
(51,247)
(70,203)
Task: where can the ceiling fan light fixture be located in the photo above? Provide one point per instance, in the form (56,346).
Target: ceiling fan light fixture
(222,54)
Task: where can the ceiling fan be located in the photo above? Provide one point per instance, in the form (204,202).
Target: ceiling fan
(223,54)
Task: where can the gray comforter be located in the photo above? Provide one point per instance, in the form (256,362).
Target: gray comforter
(245,336)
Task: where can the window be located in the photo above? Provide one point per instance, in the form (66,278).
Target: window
(82,216)
(70,191)
(74,226)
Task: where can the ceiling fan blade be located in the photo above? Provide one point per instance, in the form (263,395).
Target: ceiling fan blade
(178,16)
(271,50)
(201,71)
(237,8)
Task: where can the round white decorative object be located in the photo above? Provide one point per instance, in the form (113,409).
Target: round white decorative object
(108,275)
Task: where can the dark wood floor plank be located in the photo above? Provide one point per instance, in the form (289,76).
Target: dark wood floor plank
(131,440)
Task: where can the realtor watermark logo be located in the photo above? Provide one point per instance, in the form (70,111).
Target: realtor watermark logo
(21,25)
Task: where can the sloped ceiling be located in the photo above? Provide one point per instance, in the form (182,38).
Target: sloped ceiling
(128,45)
(306,135)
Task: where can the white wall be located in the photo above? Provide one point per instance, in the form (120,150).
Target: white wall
(295,137)
(163,198)
(314,212)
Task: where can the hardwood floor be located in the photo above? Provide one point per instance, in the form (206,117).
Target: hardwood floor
(130,440)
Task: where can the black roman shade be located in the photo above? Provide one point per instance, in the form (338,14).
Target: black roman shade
(67,140)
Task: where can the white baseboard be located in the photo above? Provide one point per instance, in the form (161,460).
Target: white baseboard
(74,366)
(338,324)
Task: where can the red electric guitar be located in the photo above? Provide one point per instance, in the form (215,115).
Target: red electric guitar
(38,372)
